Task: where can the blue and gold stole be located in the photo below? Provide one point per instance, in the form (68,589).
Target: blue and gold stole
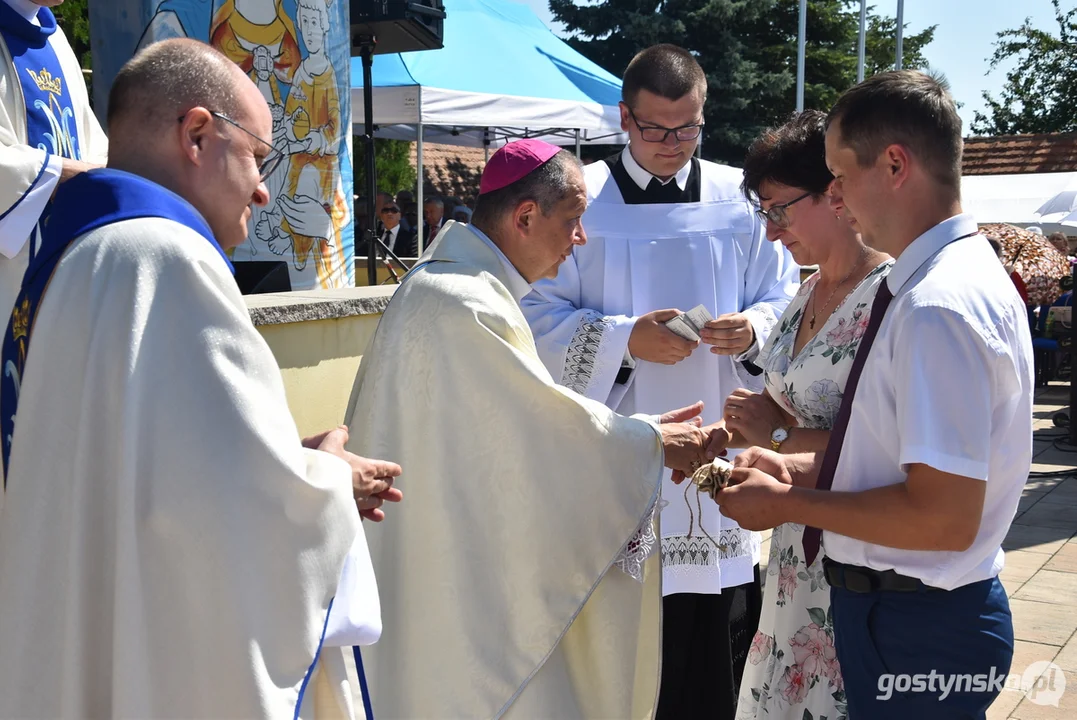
(50,114)
(86,202)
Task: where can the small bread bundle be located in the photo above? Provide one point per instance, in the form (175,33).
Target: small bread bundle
(713,476)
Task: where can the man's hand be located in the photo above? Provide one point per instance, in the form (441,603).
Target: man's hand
(71,168)
(691,414)
(729,334)
(768,461)
(684,444)
(652,341)
(755,416)
(372,480)
(754,499)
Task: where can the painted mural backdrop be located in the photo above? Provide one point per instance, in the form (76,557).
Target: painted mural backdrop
(297,53)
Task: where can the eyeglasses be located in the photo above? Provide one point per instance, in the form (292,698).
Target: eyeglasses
(392,210)
(271,162)
(658,134)
(776,213)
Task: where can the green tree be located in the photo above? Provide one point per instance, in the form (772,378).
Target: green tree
(74,17)
(1040,94)
(393,170)
(748,49)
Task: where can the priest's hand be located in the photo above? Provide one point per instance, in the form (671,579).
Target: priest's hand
(753,416)
(372,480)
(754,499)
(729,334)
(652,341)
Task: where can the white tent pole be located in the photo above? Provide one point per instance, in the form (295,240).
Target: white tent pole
(420,236)
(863,36)
(900,32)
(486,145)
(801,40)
(577,144)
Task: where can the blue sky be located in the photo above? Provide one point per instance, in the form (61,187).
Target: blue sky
(964,39)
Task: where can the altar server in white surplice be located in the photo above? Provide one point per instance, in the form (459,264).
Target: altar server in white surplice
(668,233)
(508,585)
(169,546)
(47,128)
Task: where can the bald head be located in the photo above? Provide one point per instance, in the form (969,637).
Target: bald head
(184,116)
(165,80)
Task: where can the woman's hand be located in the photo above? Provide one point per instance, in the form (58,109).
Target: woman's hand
(753,416)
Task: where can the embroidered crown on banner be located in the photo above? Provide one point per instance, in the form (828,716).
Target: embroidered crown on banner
(20,320)
(46,82)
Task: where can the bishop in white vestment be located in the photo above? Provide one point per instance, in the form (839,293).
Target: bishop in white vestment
(507,587)
(659,243)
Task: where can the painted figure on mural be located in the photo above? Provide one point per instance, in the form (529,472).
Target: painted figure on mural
(282,46)
(307,218)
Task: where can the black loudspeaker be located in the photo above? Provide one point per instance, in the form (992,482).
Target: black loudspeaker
(256,277)
(398,25)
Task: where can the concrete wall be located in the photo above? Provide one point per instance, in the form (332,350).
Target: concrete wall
(318,341)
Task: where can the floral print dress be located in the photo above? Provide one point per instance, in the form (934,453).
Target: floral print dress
(792,671)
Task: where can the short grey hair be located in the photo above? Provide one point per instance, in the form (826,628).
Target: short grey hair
(168,78)
(545,186)
(436,201)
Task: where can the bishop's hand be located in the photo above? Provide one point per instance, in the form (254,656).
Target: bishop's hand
(684,445)
(372,480)
(652,341)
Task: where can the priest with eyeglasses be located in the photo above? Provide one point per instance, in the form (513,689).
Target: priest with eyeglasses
(669,233)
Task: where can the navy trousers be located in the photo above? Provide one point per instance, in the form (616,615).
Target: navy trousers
(928,655)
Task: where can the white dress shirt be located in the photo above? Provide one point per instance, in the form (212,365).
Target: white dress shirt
(948,383)
(390,241)
(643,177)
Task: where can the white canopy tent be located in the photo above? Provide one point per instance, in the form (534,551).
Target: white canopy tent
(502,74)
(1014,199)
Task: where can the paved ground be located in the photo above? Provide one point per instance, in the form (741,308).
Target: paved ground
(1040,576)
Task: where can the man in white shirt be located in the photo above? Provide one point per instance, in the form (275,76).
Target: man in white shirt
(933,443)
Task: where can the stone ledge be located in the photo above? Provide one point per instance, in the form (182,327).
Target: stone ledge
(305,305)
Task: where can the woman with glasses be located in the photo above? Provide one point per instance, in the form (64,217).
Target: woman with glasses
(792,666)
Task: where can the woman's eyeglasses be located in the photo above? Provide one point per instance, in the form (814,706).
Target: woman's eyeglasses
(776,213)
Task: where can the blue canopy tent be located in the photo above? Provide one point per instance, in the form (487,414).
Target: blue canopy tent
(502,74)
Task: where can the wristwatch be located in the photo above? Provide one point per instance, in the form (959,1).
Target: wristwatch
(777,437)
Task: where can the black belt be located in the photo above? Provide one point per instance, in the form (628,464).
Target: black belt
(864,580)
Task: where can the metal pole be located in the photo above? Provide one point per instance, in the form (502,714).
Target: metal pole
(366,50)
(862,42)
(801,41)
(577,144)
(900,32)
(419,182)
(486,145)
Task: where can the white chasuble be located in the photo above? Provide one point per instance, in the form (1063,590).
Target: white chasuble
(501,587)
(167,547)
(641,258)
